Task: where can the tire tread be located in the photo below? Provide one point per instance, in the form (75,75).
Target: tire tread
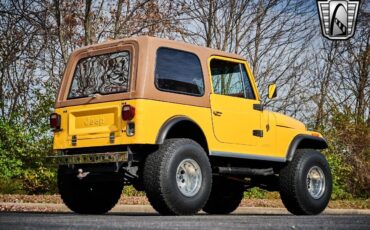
(289,188)
(154,169)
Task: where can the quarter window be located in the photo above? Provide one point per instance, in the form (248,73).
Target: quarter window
(231,79)
(178,71)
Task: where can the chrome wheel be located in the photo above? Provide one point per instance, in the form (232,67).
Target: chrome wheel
(315,182)
(189,177)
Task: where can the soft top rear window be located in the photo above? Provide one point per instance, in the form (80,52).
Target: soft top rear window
(102,74)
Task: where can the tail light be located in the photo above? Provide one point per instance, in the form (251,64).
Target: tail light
(128,112)
(55,121)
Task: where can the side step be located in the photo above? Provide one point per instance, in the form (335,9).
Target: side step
(245,171)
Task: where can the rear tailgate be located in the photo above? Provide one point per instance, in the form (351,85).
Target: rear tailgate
(94,121)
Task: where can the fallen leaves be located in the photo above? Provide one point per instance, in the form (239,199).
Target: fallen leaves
(52,203)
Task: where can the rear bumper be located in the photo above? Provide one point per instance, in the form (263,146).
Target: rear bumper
(90,158)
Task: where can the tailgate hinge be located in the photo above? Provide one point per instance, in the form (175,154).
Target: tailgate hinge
(74,140)
(111,137)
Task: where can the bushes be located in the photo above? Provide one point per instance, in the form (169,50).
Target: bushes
(39,181)
(22,160)
(340,172)
(257,193)
(348,155)
(12,150)
(131,191)
(11,186)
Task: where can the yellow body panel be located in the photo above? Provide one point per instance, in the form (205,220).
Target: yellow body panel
(150,117)
(91,124)
(236,117)
(236,120)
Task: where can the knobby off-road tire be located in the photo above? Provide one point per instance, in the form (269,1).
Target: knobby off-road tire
(306,183)
(225,197)
(168,170)
(86,197)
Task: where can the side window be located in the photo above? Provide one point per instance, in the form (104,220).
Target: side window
(178,71)
(230,78)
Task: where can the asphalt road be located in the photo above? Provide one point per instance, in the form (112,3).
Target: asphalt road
(153,221)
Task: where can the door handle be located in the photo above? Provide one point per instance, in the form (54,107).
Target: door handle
(217,113)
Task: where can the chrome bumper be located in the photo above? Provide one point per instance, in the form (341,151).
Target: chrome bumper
(90,158)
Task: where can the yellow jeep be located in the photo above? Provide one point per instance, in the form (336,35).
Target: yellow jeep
(183,123)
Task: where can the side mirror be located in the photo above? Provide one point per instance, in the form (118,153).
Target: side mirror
(272,91)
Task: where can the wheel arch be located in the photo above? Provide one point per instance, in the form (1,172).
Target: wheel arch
(182,127)
(302,141)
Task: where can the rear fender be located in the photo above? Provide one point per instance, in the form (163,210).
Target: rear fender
(162,134)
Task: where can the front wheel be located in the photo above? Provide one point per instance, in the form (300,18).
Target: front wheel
(306,183)
(178,177)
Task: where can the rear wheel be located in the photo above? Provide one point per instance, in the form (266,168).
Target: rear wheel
(87,197)
(178,177)
(225,197)
(306,183)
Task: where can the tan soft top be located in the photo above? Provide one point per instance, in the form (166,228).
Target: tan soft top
(143,55)
(154,40)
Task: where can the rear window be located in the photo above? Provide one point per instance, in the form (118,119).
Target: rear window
(102,74)
(179,72)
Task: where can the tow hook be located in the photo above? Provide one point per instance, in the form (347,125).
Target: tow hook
(82,174)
